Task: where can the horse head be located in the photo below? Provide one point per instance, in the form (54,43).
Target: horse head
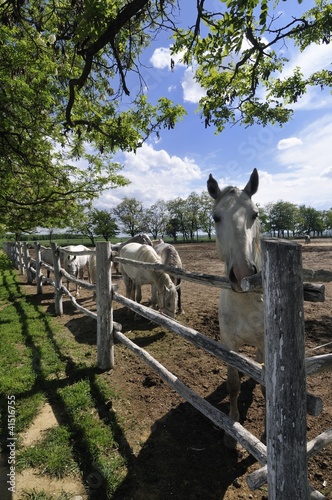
(237,229)
(145,239)
(167,300)
(72,265)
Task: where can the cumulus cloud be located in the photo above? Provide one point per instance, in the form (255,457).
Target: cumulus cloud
(313,58)
(192,91)
(289,143)
(154,175)
(303,175)
(161,58)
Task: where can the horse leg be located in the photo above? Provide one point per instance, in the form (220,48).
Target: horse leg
(80,276)
(154,299)
(233,387)
(138,293)
(129,287)
(180,311)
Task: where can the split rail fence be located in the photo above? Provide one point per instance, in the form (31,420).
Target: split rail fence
(284,457)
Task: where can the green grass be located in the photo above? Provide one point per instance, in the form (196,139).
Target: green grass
(35,495)
(64,241)
(53,454)
(40,362)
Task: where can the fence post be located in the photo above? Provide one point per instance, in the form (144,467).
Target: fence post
(20,256)
(58,306)
(39,282)
(16,255)
(27,261)
(285,371)
(105,340)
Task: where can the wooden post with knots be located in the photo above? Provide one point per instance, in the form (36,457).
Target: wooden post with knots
(285,370)
(105,341)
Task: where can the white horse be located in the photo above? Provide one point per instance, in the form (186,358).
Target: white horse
(241,315)
(135,277)
(46,255)
(139,238)
(170,257)
(75,265)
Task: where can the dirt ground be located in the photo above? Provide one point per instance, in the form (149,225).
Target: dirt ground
(171,449)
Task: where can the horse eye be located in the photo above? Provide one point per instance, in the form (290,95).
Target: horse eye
(255,215)
(216,218)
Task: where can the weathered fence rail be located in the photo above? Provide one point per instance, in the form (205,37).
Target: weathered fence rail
(286,422)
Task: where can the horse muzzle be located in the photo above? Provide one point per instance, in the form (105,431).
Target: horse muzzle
(236,275)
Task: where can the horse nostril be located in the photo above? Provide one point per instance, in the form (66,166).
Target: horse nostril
(232,278)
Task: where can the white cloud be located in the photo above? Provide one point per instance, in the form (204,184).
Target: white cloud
(289,143)
(192,91)
(313,58)
(305,173)
(154,175)
(161,58)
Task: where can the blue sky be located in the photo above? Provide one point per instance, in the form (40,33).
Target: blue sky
(294,162)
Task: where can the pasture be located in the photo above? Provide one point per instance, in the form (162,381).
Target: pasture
(169,448)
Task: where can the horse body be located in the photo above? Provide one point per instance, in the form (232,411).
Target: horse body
(76,264)
(135,277)
(47,256)
(170,257)
(241,315)
(138,238)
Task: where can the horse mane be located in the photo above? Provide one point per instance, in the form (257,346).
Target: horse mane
(147,254)
(257,245)
(172,257)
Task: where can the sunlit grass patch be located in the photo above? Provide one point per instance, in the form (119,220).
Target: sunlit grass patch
(53,455)
(96,436)
(42,495)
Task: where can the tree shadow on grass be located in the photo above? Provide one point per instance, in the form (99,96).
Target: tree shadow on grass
(50,383)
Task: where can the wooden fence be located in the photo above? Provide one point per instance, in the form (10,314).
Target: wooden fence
(284,459)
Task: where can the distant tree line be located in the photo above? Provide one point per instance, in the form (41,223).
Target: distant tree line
(185,217)
(284,219)
(188,217)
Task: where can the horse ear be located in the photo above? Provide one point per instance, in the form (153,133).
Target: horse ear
(252,185)
(213,187)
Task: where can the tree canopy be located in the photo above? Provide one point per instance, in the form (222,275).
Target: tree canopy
(241,56)
(64,72)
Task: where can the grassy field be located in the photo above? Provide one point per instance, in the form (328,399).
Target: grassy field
(38,364)
(64,241)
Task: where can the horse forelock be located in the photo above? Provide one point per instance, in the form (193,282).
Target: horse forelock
(225,191)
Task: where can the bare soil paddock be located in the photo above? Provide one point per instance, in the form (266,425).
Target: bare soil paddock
(172,450)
